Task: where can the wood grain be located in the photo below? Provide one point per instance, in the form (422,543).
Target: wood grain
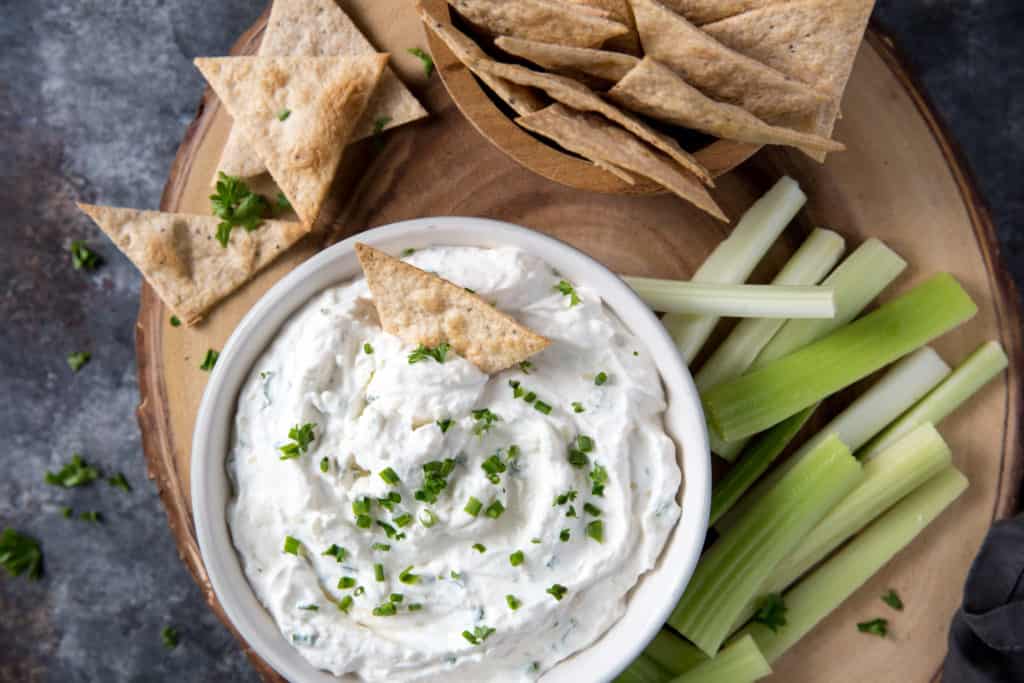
(901,180)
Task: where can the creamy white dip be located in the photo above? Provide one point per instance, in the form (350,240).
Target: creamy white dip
(370,409)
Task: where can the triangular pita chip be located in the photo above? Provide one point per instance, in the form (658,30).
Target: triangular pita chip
(180,257)
(297,113)
(569,61)
(422,308)
(724,74)
(579,97)
(319,28)
(549,21)
(595,137)
(705,11)
(618,10)
(656,91)
(521,100)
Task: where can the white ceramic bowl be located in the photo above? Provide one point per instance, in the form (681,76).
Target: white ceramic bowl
(653,598)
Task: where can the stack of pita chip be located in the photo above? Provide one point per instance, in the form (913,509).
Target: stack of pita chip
(605,79)
(316,86)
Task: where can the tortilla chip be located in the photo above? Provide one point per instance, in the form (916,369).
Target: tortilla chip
(702,12)
(582,98)
(549,21)
(601,64)
(319,28)
(618,10)
(722,73)
(179,255)
(655,90)
(422,308)
(595,137)
(521,100)
(324,97)
(620,173)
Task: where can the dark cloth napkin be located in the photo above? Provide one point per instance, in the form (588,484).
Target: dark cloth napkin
(986,639)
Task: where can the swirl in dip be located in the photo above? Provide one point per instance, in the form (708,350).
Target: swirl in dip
(441,523)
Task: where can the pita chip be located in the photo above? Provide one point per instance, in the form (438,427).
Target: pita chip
(617,10)
(297,113)
(595,137)
(182,260)
(521,100)
(577,96)
(549,21)
(601,64)
(724,74)
(422,308)
(319,28)
(655,90)
(701,12)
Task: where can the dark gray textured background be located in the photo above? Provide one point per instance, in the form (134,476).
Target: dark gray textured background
(94,98)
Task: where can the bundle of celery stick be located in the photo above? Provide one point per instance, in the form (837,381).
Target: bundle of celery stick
(791,544)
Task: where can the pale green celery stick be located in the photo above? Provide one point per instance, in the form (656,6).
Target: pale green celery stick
(734,301)
(674,654)
(768,395)
(643,669)
(896,472)
(811,262)
(858,280)
(899,388)
(824,589)
(975,372)
(734,259)
(738,662)
(754,462)
(730,573)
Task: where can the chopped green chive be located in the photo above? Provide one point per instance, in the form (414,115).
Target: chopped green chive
(389,531)
(380,547)
(530,397)
(600,378)
(407,577)
(390,501)
(480,547)
(599,477)
(578,458)
(336,551)
(584,443)
(396,598)
(358,591)
(595,530)
(346,582)
(284,114)
(455,575)
(592,509)
(525,367)
(495,510)
(84,258)
(428,62)
(403,520)
(494,467)
(209,360)
(517,391)
(577,407)
(361,506)
(118,481)
(415,606)
(325,464)
(438,353)
(409,251)
(535,540)
(771,612)
(77,360)
(386,609)
(345,604)
(542,407)
(427,518)
(76,473)
(892,599)
(300,437)
(478,635)
(557,591)
(364,521)
(389,476)
(66,512)
(175,321)
(91,516)
(485,419)
(368,349)
(310,608)
(516,558)
(563,498)
(444,424)
(169,636)
(435,479)
(378,572)
(473,506)
(292,546)
(875,627)
(513,602)
(565,287)
(563,536)
(571,512)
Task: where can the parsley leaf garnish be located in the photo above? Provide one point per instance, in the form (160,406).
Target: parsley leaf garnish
(169,636)
(378,130)
(300,437)
(525,367)
(771,612)
(209,360)
(78,360)
(118,481)
(875,627)
(428,62)
(76,473)
(84,258)
(20,554)
(175,321)
(91,516)
(282,204)
(422,352)
(893,600)
(566,288)
(236,205)
(557,591)
(284,114)
(478,635)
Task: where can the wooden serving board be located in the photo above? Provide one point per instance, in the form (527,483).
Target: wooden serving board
(900,180)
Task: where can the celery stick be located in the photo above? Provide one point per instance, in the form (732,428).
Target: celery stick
(735,301)
(898,389)
(734,259)
(766,396)
(731,572)
(824,589)
(975,372)
(739,662)
(754,462)
(811,262)
(857,281)
(896,472)
(674,654)
(643,670)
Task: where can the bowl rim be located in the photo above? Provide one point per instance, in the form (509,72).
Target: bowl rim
(649,602)
(543,158)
